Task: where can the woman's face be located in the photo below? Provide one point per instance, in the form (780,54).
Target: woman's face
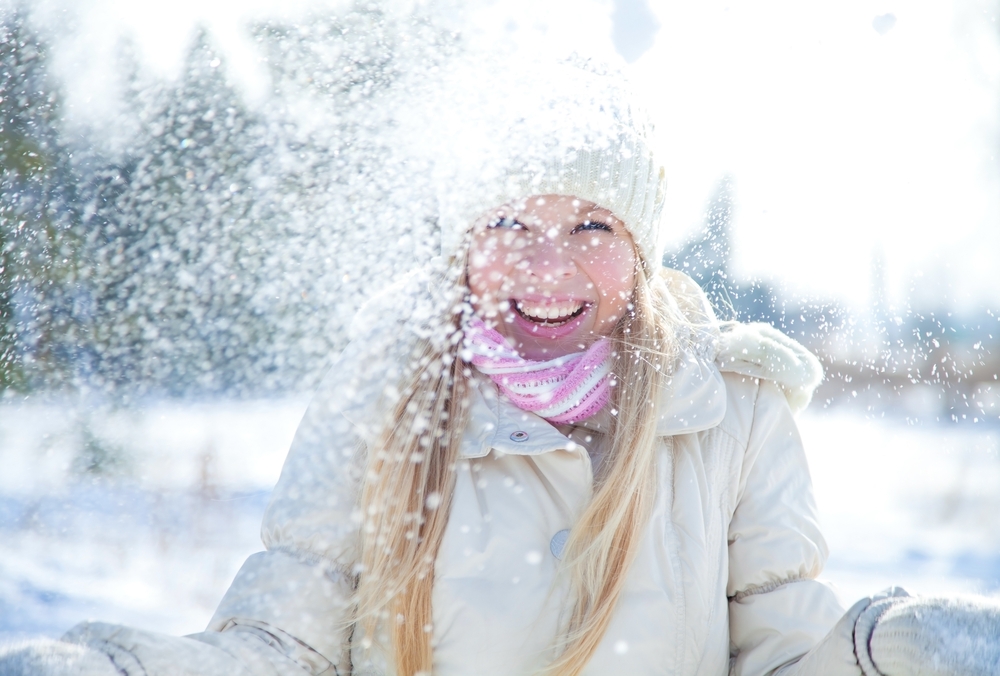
(552,273)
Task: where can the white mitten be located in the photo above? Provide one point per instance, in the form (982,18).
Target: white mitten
(835,654)
(54,658)
(913,636)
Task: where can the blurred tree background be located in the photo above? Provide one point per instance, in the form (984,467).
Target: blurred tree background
(154,268)
(39,257)
(223,250)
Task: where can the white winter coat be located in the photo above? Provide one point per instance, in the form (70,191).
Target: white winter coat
(724,579)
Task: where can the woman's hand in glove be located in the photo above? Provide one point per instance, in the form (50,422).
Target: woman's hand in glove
(54,658)
(914,636)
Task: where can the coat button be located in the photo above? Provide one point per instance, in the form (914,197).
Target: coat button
(519,436)
(558,543)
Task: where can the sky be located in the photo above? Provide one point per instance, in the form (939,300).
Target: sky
(857,133)
(847,145)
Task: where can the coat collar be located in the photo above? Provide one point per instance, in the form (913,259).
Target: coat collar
(695,400)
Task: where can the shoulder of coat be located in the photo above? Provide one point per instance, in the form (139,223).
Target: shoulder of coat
(689,297)
(741,401)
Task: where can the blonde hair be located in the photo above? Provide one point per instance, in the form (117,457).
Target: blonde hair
(407,488)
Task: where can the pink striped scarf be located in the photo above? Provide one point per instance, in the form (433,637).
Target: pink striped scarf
(561,390)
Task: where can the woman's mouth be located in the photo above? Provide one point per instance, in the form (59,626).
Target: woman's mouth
(549,315)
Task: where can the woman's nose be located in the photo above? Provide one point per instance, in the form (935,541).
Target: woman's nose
(549,260)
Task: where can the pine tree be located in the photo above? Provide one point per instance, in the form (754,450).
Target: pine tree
(38,245)
(229,248)
(180,242)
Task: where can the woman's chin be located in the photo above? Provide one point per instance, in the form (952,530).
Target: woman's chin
(542,349)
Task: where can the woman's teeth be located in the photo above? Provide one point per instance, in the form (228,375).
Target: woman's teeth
(554,312)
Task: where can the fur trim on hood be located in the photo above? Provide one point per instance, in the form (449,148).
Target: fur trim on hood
(762,351)
(755,349)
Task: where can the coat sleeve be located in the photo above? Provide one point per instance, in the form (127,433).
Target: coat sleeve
(289,610)
(297,595)
(778,610)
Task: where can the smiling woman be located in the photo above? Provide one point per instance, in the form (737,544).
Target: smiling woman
(546,456)
(553,272)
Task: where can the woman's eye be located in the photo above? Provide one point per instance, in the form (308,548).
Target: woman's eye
(506,222)
(593,225)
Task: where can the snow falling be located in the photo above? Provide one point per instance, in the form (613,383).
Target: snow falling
(175,277)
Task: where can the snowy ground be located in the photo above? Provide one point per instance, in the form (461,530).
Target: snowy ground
(155,541)
(912,505)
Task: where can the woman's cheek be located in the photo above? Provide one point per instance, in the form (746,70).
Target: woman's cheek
(512,259)
(494,277)
(477,263)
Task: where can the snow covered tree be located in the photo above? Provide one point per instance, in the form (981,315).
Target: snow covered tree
(180,239)
(229,248)
(38,245)
(225,249)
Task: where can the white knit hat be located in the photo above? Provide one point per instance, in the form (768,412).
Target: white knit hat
(565,128)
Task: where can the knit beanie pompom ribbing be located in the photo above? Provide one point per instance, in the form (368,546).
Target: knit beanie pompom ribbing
(522,128)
